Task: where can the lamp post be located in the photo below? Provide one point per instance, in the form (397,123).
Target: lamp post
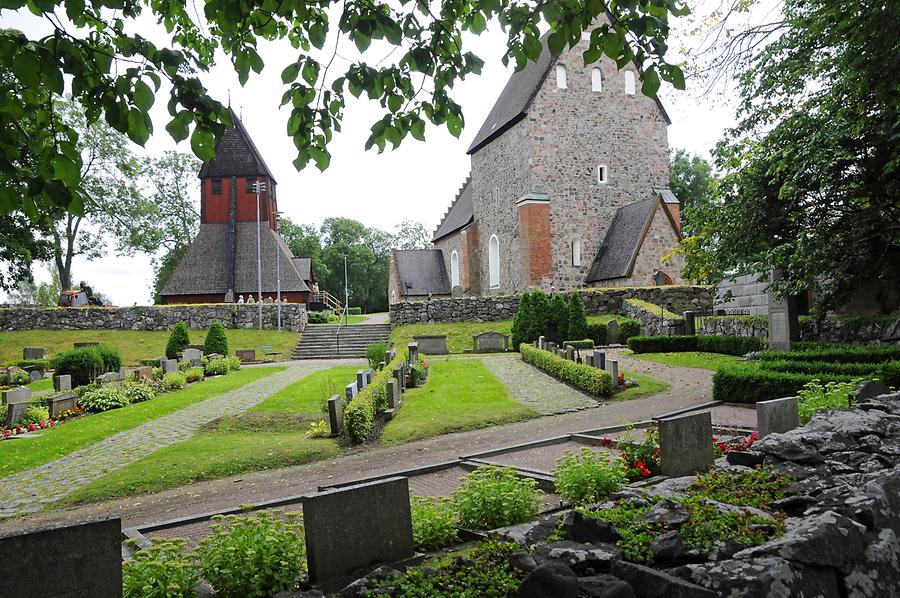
(278,266)
(259,186)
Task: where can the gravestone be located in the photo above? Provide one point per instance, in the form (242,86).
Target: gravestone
(392,354)
(381,365)
(490,342)
(685,444)
(13,370)
(551,346)
(599,360)
(777,416)
(192,355)
(542,343)
(84,344)
(869,389)
(612,366)
(413,349)
(398,376)
(34,353)
(350,391)
(357,526)
(431,345)
(16,401)
(61,403)
(62,383)
(690,323)
(83,561)
(393,393)
(361,382)
(245,354)
(370,373)
(612,332)
(784,322)
(35,373)
(142,373)
(170,366)
(456,291)
(570,353)
(110,378)
(336,415)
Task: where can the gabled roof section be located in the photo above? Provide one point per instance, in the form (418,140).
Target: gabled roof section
(516,98)
(236,155)
(623,240)
(421,271)
(203,269)
(460,213)
(666,195)
(304,268)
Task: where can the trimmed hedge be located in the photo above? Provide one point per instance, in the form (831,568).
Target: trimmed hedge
(354,311)
(628,328)
(577,317)
(728,345)
(751,384)
(359,415)
(589,379)
(888,372)
(582,344)
(597,333)
(837,353)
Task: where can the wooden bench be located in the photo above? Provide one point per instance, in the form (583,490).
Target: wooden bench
(268,351)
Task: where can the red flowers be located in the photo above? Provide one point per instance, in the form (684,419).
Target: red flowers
(740,445)
(606,441)
(8,433)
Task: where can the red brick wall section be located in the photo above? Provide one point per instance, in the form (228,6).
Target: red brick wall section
(246,201)
(534,240)
(216,207)
(675,211)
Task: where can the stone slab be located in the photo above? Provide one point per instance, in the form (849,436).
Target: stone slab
(612,366)
(599,360)
(361,381)
(336,415)
(413,351)
(170,366)
(777,416)
(357,526)
(393,393)
(492,342)
(61,403)
(145,372)
(612,332)
(84,344)
(15,396)
(350,391)
(685,444)
(77,561)
(15,413)
(34,353)
(63,382)
(245,354)
(192,355)
(370,373)
(431,345)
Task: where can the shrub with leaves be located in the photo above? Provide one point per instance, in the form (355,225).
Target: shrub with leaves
(558,319)
(641,457)
(194,374)
(492,497)
(177,340)
(254,556)
(434,522)
(35,415)
(577,317)
(318,429)
(815,397)
(19,379)
(137,392)
(103,398)
(628,327)
(163,570)
(216,341)
(82,364)
(112,362)
(217,367)
(587,378)
(375,354)
(173,381)
(522,321)
(234,364)
(588,477)
(359,415)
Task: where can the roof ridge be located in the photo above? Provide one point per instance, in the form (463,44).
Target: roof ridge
(453,203)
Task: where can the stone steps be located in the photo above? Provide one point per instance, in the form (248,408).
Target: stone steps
(327,341)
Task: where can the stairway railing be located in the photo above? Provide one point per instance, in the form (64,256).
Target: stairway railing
(327,299)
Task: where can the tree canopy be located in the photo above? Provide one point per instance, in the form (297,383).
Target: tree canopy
(690,179)
(114,73)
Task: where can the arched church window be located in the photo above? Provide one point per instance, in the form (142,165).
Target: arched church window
(596,79)
(454,269)
(494,262)
(629,83)
(576,252)
(561,76)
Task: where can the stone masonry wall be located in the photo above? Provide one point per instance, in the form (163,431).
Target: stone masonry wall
(154,317)
(596,301)
(654,324)
(832,330)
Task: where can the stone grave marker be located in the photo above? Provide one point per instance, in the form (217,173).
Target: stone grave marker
(192,355)
(62,383)
(336,415)
(393,393)
(431,345)
(690,322)
(170,366)
(570,352)
(145,372)
(62,403)
(16,401)
(370,373)
(34,353)
(685,444)
(381,365)
(413,352)
(350,391)
(490,342)
(869,389)
(542,343)
(612,366)
(784,321)
(357,526)
(777,416)
(245,354)
(398,376)
(361,379)
(35,374)
(110,378)
(83,561)
(551,346)
(599,360)
(612,332)
(84,344)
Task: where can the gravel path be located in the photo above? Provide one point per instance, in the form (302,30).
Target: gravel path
(29,491)
(533,388)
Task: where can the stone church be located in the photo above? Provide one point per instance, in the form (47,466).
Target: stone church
(568,189)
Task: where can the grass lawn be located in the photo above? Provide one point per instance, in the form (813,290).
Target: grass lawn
(41,385)
(459,335)
(134,345)
(459,395)
(19,455)
(268,436)
(646,386)
(350,320)
(689,359)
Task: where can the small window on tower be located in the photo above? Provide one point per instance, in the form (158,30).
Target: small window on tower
(596,80)
(561,76)
(629,83)
(250,181)
(216,187)
(576,252)
(602,174)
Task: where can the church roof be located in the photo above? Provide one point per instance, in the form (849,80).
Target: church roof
(460,213)
(304,268)
(620,247)
(516,98)
(236,155)
(421,271)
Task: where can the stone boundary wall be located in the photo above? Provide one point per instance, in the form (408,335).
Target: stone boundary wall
(724,326)
(154,317)
(832,330)
(654,324)
(596,301)
(747,294)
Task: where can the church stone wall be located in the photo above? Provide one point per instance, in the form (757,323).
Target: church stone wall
(151,318)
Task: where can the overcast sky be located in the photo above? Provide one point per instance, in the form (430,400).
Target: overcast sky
(417,181)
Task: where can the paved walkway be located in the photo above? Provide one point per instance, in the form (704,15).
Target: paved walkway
(380,318)
(533,388)
(29,491)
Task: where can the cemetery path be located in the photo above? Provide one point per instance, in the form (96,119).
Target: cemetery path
(533,388)
(379,318)
(31,490)
(689,387)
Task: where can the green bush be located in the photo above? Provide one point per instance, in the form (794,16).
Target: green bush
(589,477)
(729,345)
(82,364)
(434,522)
(216,341)
(577,317)
(111,360)
(558,319)
(196,373)
(628,327)
(24,363)
(359,415)
(492,497)
(582,344)
(177,340)
(751,384)
(186,364)
(523,323)
(822,367)
(597,333)
(890,373)
(354,311)
(589,379)
(376,353)
(35,415)
(216,367)
(103,398)
(163,570)
(837,353)
(662,344)
(815,397)
(173,381)
(137,392)
(19,379)
(319,317)
(234,364)
(254,556)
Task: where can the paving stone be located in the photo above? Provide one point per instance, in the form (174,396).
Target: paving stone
(532,387)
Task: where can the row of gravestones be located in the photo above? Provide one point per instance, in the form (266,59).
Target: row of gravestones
(395,387)
(19,399)
(596,359)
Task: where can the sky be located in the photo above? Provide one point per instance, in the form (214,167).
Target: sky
(418,181)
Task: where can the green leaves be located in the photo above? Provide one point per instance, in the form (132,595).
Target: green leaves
(203,144)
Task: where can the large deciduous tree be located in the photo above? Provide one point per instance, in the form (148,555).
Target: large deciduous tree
(305,241)
(418,55)
(690,179)
(811,174)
